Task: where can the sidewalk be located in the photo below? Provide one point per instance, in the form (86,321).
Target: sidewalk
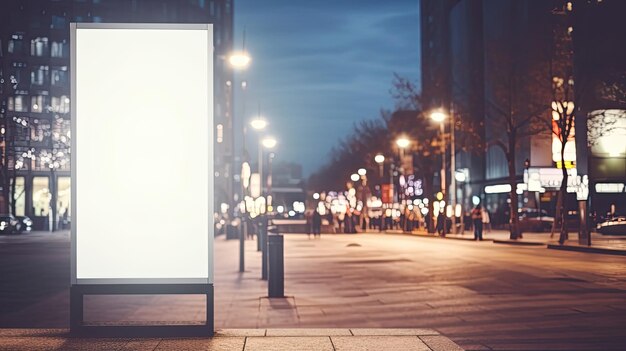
(240,340)
(606,244)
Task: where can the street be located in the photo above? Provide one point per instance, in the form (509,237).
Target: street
(481,295)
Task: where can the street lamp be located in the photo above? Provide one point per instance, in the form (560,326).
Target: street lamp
(380,159)
(439,116)
(403,142)
(258,123)
(362,171)
(269,142)
(354,177)
(239,60)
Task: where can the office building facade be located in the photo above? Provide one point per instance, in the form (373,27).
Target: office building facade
(35,95)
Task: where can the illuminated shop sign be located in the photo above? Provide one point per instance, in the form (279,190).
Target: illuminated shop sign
(606,133)
(610,187)
(570,146)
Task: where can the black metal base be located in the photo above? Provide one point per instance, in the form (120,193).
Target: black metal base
(79,328)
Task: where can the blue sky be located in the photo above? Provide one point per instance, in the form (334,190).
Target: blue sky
(320,66)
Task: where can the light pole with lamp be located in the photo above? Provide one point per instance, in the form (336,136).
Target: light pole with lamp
(268,143)
(440,117)
(380,159)
(240,61)
(402,144)
(259,124)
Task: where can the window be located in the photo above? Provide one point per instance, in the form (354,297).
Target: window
(39,47)
(16,44)
(59,76)
(61,104)
(41,196)
(39,75)
(37,103)
(17,103)
(59,49)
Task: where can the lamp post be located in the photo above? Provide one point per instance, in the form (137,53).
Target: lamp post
(259,124)
(402,144)
(380,159)
(440,117)
(268,143)
(240,61)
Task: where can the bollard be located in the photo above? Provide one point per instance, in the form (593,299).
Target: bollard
(276,281)
(263,240)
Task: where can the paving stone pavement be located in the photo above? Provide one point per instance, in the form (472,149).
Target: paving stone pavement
(326,339)
(480,295)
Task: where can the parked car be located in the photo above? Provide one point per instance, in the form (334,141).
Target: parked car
(9,224)
(530,220)
(25,224)
(613,226)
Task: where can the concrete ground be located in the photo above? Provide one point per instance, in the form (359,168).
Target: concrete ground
(482,295)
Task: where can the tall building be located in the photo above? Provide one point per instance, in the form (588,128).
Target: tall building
(35,94)
(479,56)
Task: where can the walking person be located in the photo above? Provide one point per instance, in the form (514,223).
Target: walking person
(317,224)
(441,224)
(477,220)
(486,220)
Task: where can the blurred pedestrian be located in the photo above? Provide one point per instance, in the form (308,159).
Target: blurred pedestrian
(485,219)
(317,224)
(477,220)
(441,224)
(308,216)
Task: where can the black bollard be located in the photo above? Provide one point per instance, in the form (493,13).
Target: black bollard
(263,240)
(276,281)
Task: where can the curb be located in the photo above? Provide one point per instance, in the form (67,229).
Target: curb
(597,250)
(521,243)
(434,236)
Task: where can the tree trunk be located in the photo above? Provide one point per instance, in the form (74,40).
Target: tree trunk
(515,233)
(562,193)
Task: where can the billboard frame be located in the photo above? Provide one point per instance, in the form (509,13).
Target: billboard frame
(140,286)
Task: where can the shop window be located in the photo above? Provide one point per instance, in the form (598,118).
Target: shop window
(20,196)
(41,196)
(63,198)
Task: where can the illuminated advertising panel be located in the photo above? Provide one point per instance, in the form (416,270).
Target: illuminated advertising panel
(142,153)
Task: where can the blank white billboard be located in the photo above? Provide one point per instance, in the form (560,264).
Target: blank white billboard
(142,153)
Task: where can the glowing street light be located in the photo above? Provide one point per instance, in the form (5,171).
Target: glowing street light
(380,159)
(354,177)
(258,123)
(438,116)
(239,60)
(403,142)
(269,142)
(362,171)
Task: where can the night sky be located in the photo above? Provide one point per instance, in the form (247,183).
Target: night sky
(320,66)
